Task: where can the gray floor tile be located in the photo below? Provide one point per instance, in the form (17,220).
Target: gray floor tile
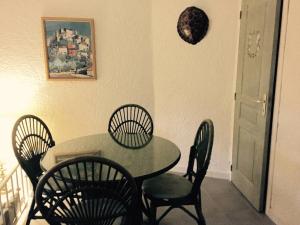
(222,205)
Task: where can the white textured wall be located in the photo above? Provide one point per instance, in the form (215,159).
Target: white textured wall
(75,108)
(140,58)
(193,83)
(284,183)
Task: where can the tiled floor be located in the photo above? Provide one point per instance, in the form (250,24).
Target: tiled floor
(222,205)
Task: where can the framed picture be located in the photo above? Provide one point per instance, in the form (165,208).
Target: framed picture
(69,48)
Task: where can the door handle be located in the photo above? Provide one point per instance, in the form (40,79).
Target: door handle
(262,101)
(264,104)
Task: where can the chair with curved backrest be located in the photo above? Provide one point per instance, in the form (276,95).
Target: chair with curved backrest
(95,191)
(31,139)
(131,126)
(176,191)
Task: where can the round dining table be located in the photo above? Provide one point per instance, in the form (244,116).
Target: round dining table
(153,159)
(157,157)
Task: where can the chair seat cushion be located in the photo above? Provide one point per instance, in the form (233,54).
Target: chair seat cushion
(167,186)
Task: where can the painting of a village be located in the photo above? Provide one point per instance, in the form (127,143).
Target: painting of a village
(70,51)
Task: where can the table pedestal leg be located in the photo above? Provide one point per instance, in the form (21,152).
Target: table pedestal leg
(142,208)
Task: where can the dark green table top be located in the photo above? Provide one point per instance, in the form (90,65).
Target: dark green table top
(157,157)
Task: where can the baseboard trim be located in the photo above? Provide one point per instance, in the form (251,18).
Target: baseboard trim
(274,217)
(218,174)
(210,173)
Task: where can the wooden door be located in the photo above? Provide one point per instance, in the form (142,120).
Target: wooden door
(258,44)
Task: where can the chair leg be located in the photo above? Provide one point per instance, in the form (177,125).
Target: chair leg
(198,208)
(31,212)
(145,206)
(152,217)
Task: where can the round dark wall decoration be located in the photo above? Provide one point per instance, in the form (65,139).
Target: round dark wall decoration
(192,25)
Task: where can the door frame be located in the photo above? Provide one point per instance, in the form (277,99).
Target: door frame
(276,108)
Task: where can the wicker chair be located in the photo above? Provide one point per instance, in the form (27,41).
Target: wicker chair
(95,191)
(31,139)
(131,126)
(176,191)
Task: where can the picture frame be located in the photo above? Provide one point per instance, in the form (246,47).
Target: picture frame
(69,46)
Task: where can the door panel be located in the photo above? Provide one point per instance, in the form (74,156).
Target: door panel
(245,162)
(258,43)
(253,46)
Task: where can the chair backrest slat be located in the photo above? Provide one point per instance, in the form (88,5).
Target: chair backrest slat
(87,190)
(200,154)
(31,139)
(131,126)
